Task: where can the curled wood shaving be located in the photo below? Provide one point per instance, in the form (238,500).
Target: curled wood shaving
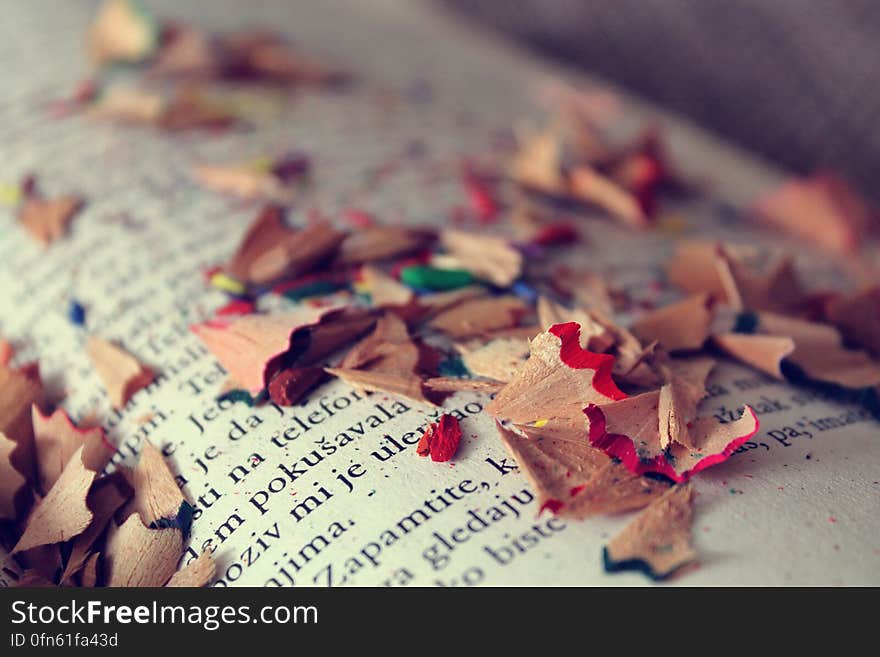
(590,186)
(243,182)
(682,326)
(389,348)
(702,266)
(139,556)
(600,335)
(106,497)
(629,429)
(156,494)
(708,267)
(377,243)
(537,164)
(679,399)
(498,359)
(594,335)
(763,352)
(409,386)
(554,385)
(488,257)
(249,347)
(63,513)
(12,482)
(120,372)
(19,390)
(777,289)
(588,290)
(57,438)
(479,316)
(385,360)
(658,541)
(573,479)
(271,250)
(816,349)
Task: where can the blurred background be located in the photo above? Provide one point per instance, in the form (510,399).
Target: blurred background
(797,81)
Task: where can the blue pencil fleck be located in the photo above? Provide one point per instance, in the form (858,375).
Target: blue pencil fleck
(76,313)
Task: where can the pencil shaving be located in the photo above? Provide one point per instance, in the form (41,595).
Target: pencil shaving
(377,243)
(682,326)
(491,258)
(120,372)
(156,494)
(498,359)
(63,513)
(573,479)
(56,438)
(557,381)
(139,556)
(479,316)
(658,541)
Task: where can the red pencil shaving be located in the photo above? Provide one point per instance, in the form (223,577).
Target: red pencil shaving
(440,439)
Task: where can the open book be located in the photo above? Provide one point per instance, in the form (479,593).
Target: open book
(330,491)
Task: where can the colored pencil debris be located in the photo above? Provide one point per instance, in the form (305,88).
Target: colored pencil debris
(595,395)
(125,32)
(571,159)
(45,219)
(826,341)
(193,66)
(78,525)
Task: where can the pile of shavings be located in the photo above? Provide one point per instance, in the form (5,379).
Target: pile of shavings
(180,64)
(570,159)
(62,517)
(124,32)
(601,417)
(65,521)
(558,373)
(826,340)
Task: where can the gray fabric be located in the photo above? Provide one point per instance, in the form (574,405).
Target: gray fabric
(795,80)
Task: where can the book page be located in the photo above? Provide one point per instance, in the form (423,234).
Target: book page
(330,492)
